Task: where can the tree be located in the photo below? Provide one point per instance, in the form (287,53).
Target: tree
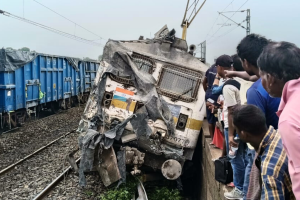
(9,48)
(24,49)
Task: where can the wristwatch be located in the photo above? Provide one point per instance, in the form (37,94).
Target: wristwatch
(217,78)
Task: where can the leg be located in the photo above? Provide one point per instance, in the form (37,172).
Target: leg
(211,123)
(238,168)
(239,164)
(250,156)
(211,130)
(226,140)
(224,153)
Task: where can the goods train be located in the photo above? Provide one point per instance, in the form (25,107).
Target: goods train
(30,82)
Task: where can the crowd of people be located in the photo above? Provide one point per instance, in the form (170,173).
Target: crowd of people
(261,137)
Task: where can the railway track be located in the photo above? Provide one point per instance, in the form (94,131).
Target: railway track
(49,187)
(12,166)
(21,142)
(35,154)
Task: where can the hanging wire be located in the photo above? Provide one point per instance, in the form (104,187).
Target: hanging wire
(68,19)
(228,19)
(217,19)
(62,33)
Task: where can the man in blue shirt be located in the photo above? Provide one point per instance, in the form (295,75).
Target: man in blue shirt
(249,49)
(207,85)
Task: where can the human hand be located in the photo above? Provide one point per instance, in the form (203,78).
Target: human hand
(229,74)
(231,141)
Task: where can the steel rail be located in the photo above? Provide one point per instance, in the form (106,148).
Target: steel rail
(47,189)
(32,154)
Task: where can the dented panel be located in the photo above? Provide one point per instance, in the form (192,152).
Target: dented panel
(148,98)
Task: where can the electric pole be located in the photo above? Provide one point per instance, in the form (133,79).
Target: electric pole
(247,20)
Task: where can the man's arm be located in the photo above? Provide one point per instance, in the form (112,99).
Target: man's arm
(231,128)
(243,75)
(217,90)
(205,84)
(229,94)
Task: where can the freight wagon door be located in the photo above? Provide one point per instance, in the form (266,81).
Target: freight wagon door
(54,79)
(32,83)
(91,71)
(60,81)
(67,77)
(81,76)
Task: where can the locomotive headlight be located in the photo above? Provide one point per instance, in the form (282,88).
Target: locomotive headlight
(107,99)
(181,123)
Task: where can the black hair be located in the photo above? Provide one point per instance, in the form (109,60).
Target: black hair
(249,118)
(237,63)
(281,60)
(251,47)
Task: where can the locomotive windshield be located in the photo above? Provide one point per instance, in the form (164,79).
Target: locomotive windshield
(179,84)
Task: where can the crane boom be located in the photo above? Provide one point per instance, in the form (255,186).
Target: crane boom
(186,22)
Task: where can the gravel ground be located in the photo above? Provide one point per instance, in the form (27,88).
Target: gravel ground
(69,189)
(35,134)
(30,177)
(33,175)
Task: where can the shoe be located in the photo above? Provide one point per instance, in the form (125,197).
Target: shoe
(234,194)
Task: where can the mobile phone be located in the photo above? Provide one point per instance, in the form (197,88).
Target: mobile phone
(213,102)
(210,100)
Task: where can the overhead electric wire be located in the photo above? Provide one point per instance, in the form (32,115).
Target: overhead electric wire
(62,33)
(217,19)
(223,34)
(68,19)
(229,18)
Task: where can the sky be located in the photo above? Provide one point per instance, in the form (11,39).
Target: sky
(129,19)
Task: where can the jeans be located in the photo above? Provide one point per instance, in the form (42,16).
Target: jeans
(226,140)
(250,157)
(238,163)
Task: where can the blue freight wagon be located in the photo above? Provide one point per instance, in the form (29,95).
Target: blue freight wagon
(30,82)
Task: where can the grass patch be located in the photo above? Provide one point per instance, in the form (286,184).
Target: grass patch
(128,189)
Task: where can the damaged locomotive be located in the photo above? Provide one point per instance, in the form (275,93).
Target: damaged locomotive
(146,108)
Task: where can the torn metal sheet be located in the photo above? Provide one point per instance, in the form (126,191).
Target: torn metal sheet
(108,167)
(146,100)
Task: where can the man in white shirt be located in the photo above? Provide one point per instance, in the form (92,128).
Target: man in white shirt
(231,93)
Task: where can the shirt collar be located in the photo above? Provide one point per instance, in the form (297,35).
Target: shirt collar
(268,138)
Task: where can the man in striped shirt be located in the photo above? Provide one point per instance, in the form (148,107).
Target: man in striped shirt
(271,162)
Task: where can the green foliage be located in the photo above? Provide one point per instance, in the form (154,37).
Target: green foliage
(164,193)
(124,192)
(89,193)
(25,49)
